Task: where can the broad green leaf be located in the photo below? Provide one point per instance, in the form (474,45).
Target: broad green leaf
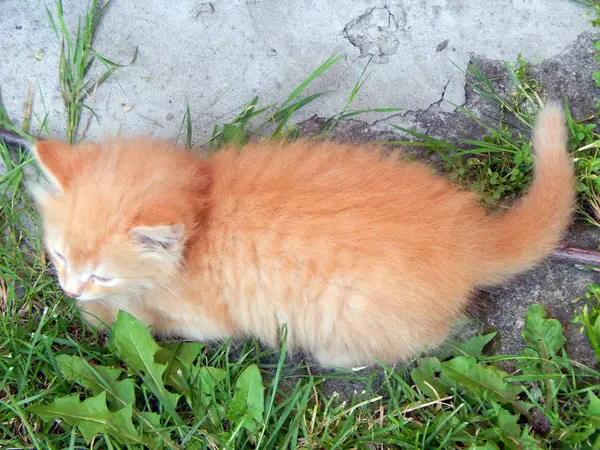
(122,427)
(206,379)
(92,417)
(427,375)
(248,400)
(581,187)
(532,363)
(203,399)
(133,341)
(98,379)
(474,346)
(593,409)
(486,446)
(135,345)
(527,440)
(507,423)
(543,335)
(152,439)
(594,405)
(480,380)
(178,357)
(119,393)
(152,418)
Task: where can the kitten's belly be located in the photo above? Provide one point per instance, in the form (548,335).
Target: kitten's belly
(339,302)
(342,313)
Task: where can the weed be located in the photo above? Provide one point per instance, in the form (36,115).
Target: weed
(589,317)
(276,118)
(594,9)
(139,393)
(500,165)
(239,130)
(77,57)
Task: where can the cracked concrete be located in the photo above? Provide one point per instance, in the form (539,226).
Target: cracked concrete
(564,75)
(217,55)
(374,34)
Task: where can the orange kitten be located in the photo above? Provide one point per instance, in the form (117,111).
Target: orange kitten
(361,256)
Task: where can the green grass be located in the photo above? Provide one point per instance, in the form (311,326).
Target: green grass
(77,58)
(589,317)
(593,9)
(274,120)
(62,385)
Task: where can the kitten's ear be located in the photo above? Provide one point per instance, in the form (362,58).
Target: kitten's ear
(58,160)
(162,240)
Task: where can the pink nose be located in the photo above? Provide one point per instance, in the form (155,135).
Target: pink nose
(71,294)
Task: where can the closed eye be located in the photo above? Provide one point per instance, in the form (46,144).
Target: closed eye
(100,280)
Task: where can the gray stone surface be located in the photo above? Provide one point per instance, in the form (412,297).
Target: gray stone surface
(219,54)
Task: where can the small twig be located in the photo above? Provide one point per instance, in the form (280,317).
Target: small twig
(28,110)
(424,405)
(577,256)
(366,402)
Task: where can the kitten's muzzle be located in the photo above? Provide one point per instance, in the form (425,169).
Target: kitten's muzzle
(72,294)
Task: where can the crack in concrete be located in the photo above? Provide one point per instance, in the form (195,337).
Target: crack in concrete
(202,8)
(391,16)
(373,33)
(415,111)
(439,102)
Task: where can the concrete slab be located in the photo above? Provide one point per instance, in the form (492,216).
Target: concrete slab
(218,54)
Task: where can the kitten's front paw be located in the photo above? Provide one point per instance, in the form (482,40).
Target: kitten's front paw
(96,314)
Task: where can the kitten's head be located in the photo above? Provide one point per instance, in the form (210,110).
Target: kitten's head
(117,216)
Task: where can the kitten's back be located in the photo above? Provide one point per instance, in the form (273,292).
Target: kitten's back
(340,243)
(362,256)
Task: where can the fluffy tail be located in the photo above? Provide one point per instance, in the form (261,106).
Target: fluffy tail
(535,225)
